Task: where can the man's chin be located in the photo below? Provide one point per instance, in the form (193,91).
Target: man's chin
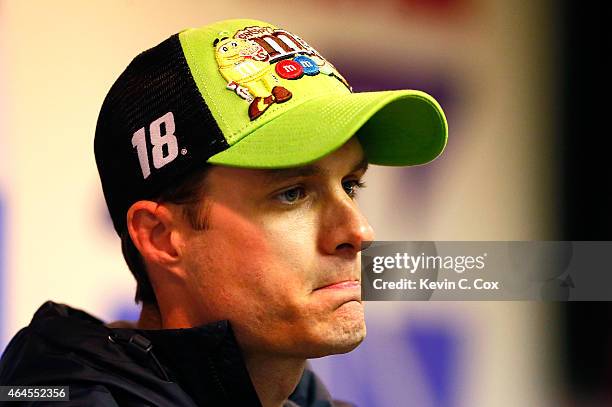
(343,337)
(339,345)
(350,343)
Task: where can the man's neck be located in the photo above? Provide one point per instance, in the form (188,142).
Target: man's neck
(274,378)
(150,317)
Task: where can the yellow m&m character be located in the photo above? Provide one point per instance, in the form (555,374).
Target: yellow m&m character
(244,65)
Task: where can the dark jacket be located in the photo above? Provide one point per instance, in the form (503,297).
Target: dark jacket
(104,366)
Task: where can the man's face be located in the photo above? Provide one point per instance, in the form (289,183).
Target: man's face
(280,256)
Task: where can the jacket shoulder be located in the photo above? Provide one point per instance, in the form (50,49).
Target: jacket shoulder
(25,364)
(33,359)
(63,346)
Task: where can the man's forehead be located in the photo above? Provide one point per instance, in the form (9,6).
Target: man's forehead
(316,169)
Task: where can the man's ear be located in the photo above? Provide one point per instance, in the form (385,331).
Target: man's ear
(153,229)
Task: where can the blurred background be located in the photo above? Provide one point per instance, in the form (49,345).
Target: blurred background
(519,81)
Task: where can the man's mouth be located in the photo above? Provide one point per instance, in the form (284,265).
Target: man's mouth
(341,285)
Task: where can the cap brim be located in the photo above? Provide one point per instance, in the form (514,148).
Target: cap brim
(397,128)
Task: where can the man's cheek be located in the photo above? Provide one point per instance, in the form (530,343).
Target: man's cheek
(245,258)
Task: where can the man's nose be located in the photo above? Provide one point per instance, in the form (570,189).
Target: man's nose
(344,228)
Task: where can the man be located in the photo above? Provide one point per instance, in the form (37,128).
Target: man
(230,157)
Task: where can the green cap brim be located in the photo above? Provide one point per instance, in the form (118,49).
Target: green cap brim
(395,128)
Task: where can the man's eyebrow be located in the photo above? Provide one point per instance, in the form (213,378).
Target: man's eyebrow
(279,174)
(361,165)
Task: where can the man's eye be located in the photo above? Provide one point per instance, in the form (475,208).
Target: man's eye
(292,195)
(352,187)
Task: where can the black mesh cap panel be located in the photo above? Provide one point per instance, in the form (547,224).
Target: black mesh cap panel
(156,82)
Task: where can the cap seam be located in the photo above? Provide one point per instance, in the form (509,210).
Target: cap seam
(205,86)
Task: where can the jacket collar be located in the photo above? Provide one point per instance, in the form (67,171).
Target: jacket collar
(205,360)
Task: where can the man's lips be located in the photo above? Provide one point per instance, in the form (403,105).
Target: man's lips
(341,285)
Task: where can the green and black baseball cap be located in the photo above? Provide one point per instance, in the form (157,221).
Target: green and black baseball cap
(245,93)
